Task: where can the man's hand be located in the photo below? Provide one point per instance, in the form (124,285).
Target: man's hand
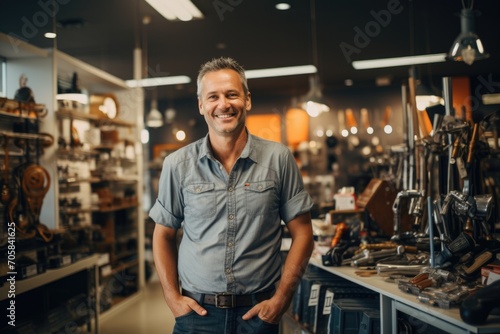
(270,311)
(184,305)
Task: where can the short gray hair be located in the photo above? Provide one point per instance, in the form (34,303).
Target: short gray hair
(222,63)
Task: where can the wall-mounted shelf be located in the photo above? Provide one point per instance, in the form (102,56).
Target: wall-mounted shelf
(73,114)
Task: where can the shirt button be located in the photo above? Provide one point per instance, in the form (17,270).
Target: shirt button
(259,187)
(231,189)
(198,189)
(228,270)
(231,217)
(230,244)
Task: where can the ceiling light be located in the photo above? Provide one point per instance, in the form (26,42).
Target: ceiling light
(180,135)
(399,61)
(50,35)
(159,81)
(170,115)
(365,121)
(313,102)
(348,82)
(467,47)
(154,118)
(173,10)
(280,71)
(282,6)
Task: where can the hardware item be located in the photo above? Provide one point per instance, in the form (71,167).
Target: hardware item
(476,308)
(386,270)
(461,245)
(479,261)
(396,209)
(371,257)
(340,229)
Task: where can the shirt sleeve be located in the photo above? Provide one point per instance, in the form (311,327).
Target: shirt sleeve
(294,198)
(168,207)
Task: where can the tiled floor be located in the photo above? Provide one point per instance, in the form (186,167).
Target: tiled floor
(148,315)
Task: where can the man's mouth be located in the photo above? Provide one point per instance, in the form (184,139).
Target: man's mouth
(224,115)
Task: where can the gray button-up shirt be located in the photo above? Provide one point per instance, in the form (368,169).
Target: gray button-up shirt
(231,222)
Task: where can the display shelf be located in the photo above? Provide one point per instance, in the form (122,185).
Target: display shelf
(392,300)
(14,116)
(44,68)
(49,276)
(62,113)
(122,266)
(73,180)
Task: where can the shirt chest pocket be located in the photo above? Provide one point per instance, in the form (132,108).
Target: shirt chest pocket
(199,199)
(261,197)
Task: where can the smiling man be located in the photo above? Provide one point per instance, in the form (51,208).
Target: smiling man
(229,192)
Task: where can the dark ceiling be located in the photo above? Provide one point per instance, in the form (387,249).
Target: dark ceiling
(104,33)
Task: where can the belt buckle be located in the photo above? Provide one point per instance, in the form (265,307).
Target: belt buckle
(218,304)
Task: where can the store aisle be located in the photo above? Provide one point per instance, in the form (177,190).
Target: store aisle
(149,315)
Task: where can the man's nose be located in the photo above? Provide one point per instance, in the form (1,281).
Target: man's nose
(223,103)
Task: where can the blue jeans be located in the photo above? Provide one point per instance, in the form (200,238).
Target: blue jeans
(222,321)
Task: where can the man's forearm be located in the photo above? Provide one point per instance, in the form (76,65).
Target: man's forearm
(294,267)
(165,258)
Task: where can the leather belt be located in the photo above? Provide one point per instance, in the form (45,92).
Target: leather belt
(226,300)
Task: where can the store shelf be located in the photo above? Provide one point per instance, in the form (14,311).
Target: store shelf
(73,114)
(44,68)
(392,300)
(51,275)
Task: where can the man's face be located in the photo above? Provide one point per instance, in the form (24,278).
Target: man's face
(223,102)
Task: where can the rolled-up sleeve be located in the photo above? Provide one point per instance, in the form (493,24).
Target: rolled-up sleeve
(294,199)
(167,209)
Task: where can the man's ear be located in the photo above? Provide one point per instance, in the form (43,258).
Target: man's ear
(248,102)
(200,104)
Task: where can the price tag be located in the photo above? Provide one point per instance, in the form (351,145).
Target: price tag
(314,296)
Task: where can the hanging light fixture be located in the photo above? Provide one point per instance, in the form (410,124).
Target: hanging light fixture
(467,47)
(313,102)
(154,118)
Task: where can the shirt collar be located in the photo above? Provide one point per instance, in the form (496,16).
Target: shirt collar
(206,150)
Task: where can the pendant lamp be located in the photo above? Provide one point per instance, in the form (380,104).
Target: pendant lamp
(154,118)
(467,47)
(313,102)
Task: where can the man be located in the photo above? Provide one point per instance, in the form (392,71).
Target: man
(229,192)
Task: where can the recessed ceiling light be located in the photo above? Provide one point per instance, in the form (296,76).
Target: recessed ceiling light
(348,82)
(282,6)
(51,35)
